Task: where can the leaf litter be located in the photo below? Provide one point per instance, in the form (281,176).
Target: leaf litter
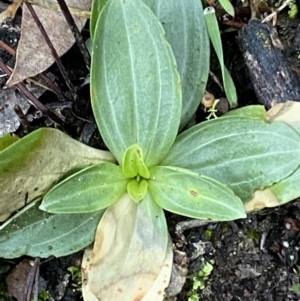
(33,54)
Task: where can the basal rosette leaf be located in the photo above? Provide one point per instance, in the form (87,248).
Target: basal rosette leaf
(91,189)
(135,87)
(186,32)
(187,193)
(32,165)
(245,154)
(130,249)
(97,6)
(39,234)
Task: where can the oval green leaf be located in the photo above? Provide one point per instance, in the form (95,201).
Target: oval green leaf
(97,6)
(135,87)
(39,234)
(186,193)
(91,189)
(186,31)
(228,7)
(33,164)
(246,154)
(215,37)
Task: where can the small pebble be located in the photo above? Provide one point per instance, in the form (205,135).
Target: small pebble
(288,226)
(285,244)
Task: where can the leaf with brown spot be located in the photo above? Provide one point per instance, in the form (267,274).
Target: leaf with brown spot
(244,153)
(187,193)
(33,164)
(131,251)
(33,54)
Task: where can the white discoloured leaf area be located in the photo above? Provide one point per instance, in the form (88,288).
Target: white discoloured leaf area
(33,54)
(132,250)
(287,189)
(287,112)
(33,164)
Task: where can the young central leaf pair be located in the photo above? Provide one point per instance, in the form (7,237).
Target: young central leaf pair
(136,98)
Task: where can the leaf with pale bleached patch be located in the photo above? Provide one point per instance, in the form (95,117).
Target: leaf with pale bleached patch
(246,154)
(33,54)
(154,293)
(39,234)
(32,165)
(130,250)
(187,193)
(287,189)
(136,98)
(89,190)
(287,112)
(278,194)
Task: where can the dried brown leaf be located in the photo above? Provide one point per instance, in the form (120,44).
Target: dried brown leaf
(17,279)
(10,11)
(33,54)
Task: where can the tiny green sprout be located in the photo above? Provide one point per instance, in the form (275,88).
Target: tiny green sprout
(208,234)
(253,235)
(44,296)
(225,227)
(193,296)
(296,288)
(293,10)
(75,273)
(212,111)
(199,280)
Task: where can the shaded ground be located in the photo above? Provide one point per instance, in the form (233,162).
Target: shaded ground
(252,259)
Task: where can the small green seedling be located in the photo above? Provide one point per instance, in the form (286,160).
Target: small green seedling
(199,281)
(43,296)
(75,273)
(144,89)
(296,288)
